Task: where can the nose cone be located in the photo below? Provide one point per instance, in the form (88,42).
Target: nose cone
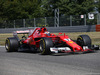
(77,48)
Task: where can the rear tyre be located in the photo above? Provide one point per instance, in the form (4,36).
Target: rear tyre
(11,44)
(84,40)
(45,44)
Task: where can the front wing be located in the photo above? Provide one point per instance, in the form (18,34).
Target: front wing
(67,49)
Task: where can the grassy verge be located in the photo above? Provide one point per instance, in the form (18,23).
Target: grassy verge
(3,38)
(95,36)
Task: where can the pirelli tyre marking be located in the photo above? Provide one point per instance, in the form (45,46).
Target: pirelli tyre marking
(42,46)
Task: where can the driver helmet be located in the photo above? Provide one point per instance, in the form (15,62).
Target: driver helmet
(47,33)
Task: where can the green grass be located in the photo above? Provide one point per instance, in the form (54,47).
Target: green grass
(95,36)
(3,38)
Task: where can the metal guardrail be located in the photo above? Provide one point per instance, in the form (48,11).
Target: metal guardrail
(88,28)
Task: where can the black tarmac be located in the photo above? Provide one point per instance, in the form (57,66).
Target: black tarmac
(27,63)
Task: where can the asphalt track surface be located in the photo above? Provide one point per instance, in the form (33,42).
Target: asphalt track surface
(27,63)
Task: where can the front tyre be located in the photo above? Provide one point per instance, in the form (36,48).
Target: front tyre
(45,44)
(11,44)
(84,40)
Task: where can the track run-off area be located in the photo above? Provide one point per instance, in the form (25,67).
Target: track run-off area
(27,63)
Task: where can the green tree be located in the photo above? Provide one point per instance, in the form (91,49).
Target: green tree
(98,5)
(68,7)
(72,7)
(18,9)
(12,10)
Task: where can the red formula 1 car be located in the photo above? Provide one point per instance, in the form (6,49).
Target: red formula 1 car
(39,39)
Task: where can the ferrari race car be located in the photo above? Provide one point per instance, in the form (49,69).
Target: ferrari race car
(39,39)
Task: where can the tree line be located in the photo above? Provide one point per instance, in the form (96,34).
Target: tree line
(19,9)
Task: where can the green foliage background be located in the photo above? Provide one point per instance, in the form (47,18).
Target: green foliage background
(18,9)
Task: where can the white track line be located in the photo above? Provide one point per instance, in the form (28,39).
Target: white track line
(2,46)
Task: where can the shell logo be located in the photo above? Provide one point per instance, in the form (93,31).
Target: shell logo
(70,41)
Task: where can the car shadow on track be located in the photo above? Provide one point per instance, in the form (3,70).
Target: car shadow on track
(72,53)
(55,54)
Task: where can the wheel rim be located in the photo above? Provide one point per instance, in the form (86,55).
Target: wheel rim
(7,45)
(41,48)
(80,42)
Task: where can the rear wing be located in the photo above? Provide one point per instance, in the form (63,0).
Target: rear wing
(20,32)
(29,32)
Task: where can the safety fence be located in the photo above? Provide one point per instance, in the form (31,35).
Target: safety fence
(72,20)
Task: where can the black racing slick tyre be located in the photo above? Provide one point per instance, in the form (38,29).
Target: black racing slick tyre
(11,44)
(45,44)
(84,40)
